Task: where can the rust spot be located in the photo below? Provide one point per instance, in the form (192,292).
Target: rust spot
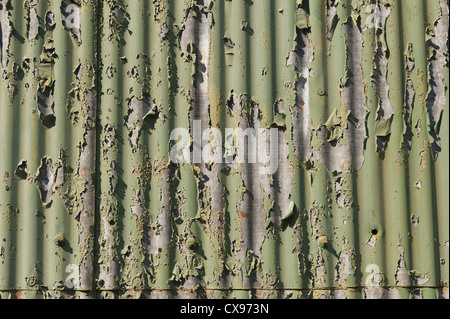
(84,172)
(5,181)
(20,294)
(243,214)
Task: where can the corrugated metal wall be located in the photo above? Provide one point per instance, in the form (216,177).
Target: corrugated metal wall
(348,197)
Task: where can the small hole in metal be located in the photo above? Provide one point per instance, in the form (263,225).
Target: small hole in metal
(374,232)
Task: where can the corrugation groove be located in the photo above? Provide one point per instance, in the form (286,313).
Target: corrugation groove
(224,149)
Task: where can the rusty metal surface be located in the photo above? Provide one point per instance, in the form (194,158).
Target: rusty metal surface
(224,149)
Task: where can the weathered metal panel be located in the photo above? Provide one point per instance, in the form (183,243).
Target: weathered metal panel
(224,148)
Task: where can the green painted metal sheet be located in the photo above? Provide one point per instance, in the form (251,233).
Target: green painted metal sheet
(224,149)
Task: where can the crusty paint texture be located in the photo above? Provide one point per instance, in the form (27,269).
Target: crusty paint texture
(90,195)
